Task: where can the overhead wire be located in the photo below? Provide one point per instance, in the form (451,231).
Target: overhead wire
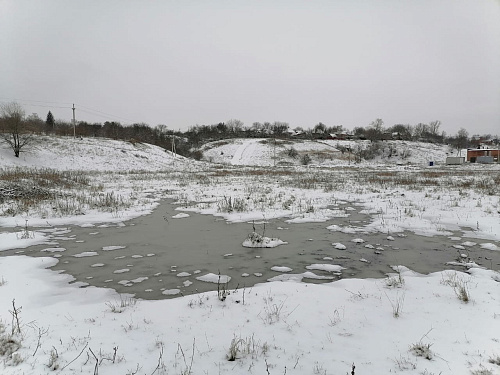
(96,114)
(88,110)
(104,113)
(36,101)
(39,105)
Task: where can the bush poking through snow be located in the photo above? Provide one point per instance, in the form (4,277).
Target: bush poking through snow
(254,239)
(120,306)
(222,291)
(272,311)
(53,359)
(10,343)
(462,292)
(246,347)
(422,350)
(293,153)
(234,349)
(459,285)
(482,371)
(404,363)
(495,360)
(395,281)
(230,204)
(397,305)
(305,159)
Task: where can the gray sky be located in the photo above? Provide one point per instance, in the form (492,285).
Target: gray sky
(182,63)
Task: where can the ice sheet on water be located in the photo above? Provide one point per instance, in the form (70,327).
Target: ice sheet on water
(180,215)
(86,254)
(123,270)
(281,269)
(213,278)
(326,267)
(113,247)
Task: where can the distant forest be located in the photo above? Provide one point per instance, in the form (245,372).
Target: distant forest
(13,120)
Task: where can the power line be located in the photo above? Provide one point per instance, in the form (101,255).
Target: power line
(90,111)
(96,114)
(38,105)
(104,113)
(36,101)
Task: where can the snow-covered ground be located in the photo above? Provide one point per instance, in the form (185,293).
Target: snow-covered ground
(97,154)
(445,322)
(270,152)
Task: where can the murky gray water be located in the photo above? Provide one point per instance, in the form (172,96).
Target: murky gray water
(152,251)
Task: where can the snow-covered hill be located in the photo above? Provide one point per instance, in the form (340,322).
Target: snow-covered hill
(267,152)
(100,154)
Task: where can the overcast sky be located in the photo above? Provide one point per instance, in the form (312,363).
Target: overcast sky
(182,63)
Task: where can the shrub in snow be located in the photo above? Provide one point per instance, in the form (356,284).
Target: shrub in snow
(230,204)
(246,347)
(305,159)
(256,240)
(53,360)
(459,285)
(422,350)
(10,343)
(293,153)
(495,360)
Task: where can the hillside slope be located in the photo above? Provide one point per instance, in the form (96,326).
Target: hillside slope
(267,152)
(100,154)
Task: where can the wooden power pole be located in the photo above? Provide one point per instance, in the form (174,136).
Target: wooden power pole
(74,122)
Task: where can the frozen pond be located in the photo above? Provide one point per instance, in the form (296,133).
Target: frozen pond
(168,253)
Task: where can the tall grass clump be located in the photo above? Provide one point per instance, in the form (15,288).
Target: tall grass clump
(230,204)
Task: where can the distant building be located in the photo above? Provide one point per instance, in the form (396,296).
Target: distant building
(474,153)
(455,160)
(339,136)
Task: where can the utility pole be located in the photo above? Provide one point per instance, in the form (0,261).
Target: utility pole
(274,152)
(74,122)
(173,145)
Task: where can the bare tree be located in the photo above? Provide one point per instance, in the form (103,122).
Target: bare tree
(234,125)
(461,140)
(404,131)
(434,127)
(279,127)
(14,129)
(375,130)
(378,125)
(319,128)
(420,130)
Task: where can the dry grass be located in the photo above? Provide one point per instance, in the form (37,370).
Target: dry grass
(45,177)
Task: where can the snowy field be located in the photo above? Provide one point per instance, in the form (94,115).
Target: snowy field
(441,323)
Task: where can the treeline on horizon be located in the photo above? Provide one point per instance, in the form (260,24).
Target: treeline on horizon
(188,142)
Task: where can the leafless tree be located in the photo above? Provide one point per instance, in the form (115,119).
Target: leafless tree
(461,140)
(377,125)
(319,128)
(434,127)
(14,129)
(420,130)
(375,130)
(234,125)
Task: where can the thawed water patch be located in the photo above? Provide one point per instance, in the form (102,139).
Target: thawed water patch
(167,258)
